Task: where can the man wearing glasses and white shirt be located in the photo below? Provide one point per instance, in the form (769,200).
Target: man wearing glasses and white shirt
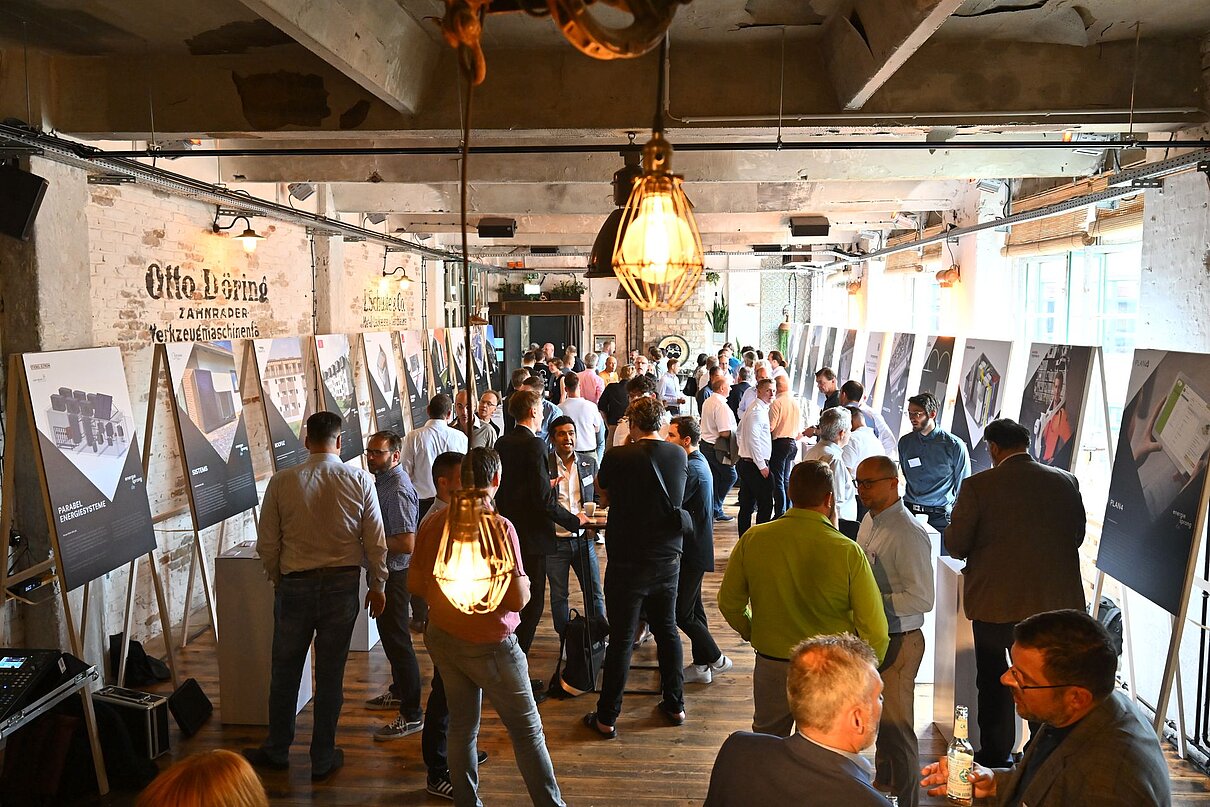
(422,446)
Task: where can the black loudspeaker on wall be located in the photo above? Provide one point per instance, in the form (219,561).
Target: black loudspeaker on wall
(20,197)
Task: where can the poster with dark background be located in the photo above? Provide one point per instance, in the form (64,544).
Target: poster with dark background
(897,380)
(980,396)
(815,336)
(90,453)
(384,381)
(457,337)
(340,390)
(873,357)
(415,375)
(935,375)
(484,358)
(800,364)
(1052,406)
(286,379)
(213,433)
(844,362)
(793,345)
(439,363)
(1159,475)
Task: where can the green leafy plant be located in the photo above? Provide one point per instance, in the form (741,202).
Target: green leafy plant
(719,314)
(533,277)
(713,278)
(567,290)
(510,288)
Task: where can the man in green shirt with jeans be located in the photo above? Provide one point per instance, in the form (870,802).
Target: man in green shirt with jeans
(794,578)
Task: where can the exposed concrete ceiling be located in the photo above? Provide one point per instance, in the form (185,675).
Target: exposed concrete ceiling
(377,73)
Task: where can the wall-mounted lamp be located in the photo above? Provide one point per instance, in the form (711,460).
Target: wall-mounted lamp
(946,278)
(249,237)
(853,287)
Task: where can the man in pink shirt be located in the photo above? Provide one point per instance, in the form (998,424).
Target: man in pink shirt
(591,384)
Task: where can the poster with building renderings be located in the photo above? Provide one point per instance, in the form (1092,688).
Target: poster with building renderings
(793,365)
(1052,406)
(457,345)
(980,395)
(935,374)
(211,429)
(800,363)
(335,364)
(287,388)
(844,361)
(440,371)
(873,360)
(415,375)
(895,396)
(92,465)
(484,358)
(384,381)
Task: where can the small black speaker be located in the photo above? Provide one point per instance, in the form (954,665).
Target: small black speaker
(190,706)
(20,197)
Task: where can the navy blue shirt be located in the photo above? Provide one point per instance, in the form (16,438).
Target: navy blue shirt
(400,510)
(933,467)
(699,501)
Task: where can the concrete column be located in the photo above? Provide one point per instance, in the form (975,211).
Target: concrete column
(1174,291)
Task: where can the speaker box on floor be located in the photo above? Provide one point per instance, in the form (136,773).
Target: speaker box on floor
(20,197)
(190,706)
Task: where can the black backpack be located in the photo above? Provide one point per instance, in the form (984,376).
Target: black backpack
(141,669)
(1110,616)
(584,646)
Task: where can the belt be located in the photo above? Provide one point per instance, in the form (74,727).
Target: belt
(904,632)
(926,510)
(772,658)
(322,571)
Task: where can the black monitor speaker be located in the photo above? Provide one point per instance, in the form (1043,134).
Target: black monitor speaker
(20,197)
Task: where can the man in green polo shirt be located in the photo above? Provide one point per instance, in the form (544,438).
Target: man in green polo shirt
(792,579)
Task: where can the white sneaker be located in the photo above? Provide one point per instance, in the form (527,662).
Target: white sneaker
(698,674)
(722,665)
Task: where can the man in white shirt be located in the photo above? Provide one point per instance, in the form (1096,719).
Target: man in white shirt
(670,388)
(755,451)
(590,426)
(834,426)
(421,446)
(718,423)
(574,477)
(785,424)
(852,392)
(761,369)
(591,383)
(862,444)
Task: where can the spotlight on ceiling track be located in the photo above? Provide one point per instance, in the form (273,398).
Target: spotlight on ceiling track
(301,191)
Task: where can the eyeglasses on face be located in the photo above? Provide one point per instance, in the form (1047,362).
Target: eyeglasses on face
(1020,684)
(377,452)
(865,483)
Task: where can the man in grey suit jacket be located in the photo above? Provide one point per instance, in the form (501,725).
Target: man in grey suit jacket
(573,476)
(1019,525)
(834,692)
(1093,747)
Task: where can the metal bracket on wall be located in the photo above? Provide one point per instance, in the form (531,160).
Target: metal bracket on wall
(1204,167)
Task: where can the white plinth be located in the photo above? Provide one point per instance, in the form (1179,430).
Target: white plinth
(365,630)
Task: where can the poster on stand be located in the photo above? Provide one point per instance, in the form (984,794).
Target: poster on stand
(457,337)
(212,431)
(799,364)
(439,363)
(91,459)
(814,352)
(980,395)
(286,379)
(384,381)
(483,357)
(935,375)
(415,375)
(1052,405)
(844,362)
(895,397)
(335,357)
(873,358)
(1159,476)
(794,366)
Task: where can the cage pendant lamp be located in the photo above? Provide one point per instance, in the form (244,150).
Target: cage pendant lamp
(475,560)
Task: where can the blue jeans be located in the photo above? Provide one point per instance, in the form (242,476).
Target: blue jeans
(470,669)
(558,567)
(651,588)
(784,450)
(397,644)
(723,475)
(322,607)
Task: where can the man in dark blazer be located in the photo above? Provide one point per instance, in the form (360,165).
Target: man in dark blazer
(697,557)
(527,499)
(738,389)
(1019,526)
(574,476)
(516,382)
(834,690)
(1092,745)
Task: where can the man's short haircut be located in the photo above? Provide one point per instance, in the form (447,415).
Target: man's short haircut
(745,373)
(448,465)
(645,414)
(825,373)
(926,401)
(827,676)
(833,423)
(519,377)
(717,383)
(571,382)
(394,441)
(712,362)
(561,420)
(722,350)
(492,393)
(625,372)
(810,484)
(521,403)
(853,390)
(749,356)
(782,383)
(687,426)
(641,385)
(702,358)
(884,466)
(324,427)
(590,361)
(529,355)
(856,415)
(482,465)
(1007,434)
(763,384)
(535,382)
(1076,649)
(439,406)
(674,365)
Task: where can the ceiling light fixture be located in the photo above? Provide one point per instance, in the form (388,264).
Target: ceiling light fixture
(657,254)
(249,237)
(600,258)
(946,278)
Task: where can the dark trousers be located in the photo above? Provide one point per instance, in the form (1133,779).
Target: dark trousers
(755,494)
(531,614)
(397,644)
(420,608)
(997,715)
(691,616)
(629,589)
(436,727)
(784,449)
(723,476)
(322,607)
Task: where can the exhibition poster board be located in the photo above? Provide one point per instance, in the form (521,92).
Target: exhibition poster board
(484,358)
(384,381)
(935,373)
(211,429)
(1058,378)
(873,359)
(415,375)
(844,362)
(457,337)
(980,396)
(439,363)
(814,351)
(92,466)
(1159,476)
(286,378)
(799,365)
(793,366)
(895,395)
(335,363)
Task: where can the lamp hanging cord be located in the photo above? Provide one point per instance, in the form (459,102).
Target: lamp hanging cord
(657,125)
(468,376)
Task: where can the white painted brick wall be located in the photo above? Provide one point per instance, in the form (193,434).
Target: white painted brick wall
(1174,295)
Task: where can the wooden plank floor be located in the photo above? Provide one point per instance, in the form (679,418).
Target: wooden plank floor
(650,762)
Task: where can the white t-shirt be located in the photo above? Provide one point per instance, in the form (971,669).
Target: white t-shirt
(588,421)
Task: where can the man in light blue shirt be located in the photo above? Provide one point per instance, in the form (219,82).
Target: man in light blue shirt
(934,463)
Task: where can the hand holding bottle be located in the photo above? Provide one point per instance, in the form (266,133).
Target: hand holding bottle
(934,778)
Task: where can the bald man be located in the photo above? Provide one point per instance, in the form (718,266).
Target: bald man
(785,424)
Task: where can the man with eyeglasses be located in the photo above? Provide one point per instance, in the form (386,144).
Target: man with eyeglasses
(900,554)
(934,463)
(1092,747)
(483,435)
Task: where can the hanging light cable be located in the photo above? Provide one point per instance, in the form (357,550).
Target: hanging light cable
(657,255)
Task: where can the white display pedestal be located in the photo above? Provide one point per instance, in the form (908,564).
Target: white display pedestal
(245,617)
(365,629)
(926,675)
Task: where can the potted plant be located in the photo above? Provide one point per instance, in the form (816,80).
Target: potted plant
(567,290)
(713,278)
(718,318)
(510,291)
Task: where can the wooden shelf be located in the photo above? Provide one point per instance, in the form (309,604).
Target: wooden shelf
(537,308)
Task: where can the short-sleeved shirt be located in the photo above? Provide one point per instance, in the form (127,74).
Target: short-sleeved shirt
(400,508)
(641,526)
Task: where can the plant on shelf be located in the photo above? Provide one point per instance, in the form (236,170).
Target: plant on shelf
(719,315)
(567,290)
(532,277)
(713,278)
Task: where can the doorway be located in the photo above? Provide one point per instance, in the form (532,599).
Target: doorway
(549,329)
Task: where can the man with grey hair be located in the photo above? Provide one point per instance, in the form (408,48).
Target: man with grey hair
(760,372)
(785,424)
(591,383)
(833,434)
(833,688)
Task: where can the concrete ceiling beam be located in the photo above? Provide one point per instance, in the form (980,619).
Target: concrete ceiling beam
(373,42)
(866,45)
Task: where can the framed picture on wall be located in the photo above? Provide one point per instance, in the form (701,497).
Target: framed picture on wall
(599,340)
